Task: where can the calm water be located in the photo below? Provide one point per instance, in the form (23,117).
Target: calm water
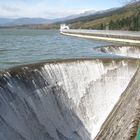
(24,46)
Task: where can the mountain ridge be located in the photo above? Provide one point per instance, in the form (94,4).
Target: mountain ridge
(122,18)
(32,21)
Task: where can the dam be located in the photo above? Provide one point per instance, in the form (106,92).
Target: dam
(72,99)
(107,35)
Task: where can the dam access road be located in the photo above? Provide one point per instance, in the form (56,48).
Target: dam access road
(132,37)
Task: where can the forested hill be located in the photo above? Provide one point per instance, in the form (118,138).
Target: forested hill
(124,18)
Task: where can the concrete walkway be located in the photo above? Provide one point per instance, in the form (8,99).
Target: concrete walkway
(117,36)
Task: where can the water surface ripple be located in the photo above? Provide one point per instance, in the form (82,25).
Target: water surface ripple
(24,46)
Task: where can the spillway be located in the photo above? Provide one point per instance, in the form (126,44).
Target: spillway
(61,100)
(121,50)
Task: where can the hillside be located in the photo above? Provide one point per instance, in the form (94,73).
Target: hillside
(124,18)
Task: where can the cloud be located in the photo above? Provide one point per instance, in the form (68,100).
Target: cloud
(9,9)
(52,8)
(37,8)
(36,11)
(63,13)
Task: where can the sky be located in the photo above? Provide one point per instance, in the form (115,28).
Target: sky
(52,8)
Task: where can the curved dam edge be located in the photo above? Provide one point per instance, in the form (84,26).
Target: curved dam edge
(105,37)
(38,65)
(61,100)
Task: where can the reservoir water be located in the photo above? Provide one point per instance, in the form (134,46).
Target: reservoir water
(24,46)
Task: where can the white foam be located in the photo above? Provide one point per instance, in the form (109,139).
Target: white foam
(93,86)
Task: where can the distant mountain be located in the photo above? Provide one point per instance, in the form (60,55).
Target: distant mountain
(23,21)
(27,21)
(4,21)
(89,16)
(34,21)
(86,13)
(87,20)
(122,18)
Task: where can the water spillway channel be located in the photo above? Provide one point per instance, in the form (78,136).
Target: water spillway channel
(61,100)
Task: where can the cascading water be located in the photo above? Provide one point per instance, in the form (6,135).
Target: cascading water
(66,100)
(127,51)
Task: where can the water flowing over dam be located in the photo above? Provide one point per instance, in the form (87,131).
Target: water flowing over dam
(61,100)
(122,50)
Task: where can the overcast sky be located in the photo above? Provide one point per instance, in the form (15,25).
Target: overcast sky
(52,8)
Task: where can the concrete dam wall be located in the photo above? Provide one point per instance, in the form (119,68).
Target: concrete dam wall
(62,100)
(123,121)
(107,35)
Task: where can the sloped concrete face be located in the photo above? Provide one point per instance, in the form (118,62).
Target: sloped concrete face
(68,100)
(123,121)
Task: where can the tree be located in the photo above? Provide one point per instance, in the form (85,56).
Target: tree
(130,1)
